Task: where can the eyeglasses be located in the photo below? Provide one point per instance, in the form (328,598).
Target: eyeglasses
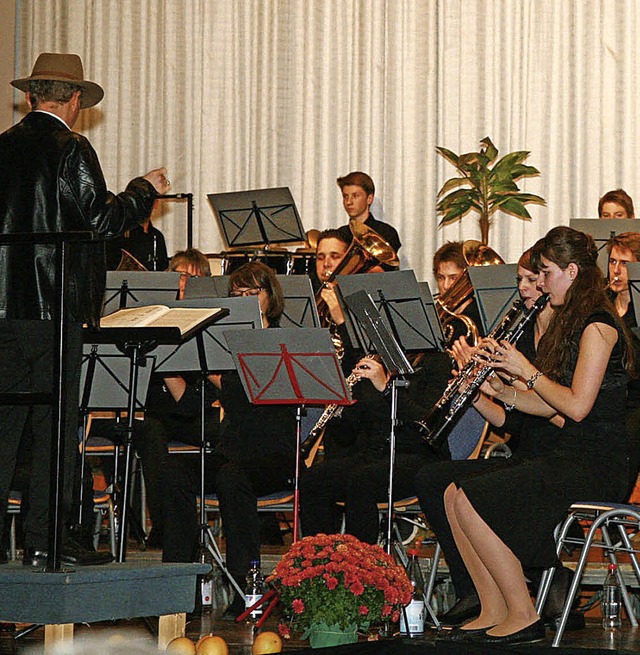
(243,293)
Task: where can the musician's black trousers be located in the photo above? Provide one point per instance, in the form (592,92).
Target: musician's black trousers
(361,484)
(237,485)
(26,364)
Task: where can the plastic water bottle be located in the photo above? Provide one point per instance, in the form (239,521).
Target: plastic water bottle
(206,581)
(414,611)
(611,600)
(255,589)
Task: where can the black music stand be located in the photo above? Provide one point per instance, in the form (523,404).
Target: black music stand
(214,286)
(399,302)
(208,350)
(602,230)
(300,308)
(205,353)
(432,314)
(259,216)
(136,343)
(133,288)
(289,367)
(104,385)
(395,360)
(495,290)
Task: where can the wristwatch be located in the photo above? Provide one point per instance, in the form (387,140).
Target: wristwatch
(532,380)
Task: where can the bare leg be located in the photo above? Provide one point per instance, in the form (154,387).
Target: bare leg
(500,563)
(493,606)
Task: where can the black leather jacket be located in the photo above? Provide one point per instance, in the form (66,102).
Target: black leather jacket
(51,181)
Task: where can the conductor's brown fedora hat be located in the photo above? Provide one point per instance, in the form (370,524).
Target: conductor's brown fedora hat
(62,68)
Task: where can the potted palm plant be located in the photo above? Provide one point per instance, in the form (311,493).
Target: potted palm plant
(485,187)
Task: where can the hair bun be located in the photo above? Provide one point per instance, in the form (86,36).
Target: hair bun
(592,249)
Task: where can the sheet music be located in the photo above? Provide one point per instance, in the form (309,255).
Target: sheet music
(183,318)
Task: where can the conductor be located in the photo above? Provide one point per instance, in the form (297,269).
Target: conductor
(52,182)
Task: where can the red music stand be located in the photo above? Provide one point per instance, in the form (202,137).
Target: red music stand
(296,366)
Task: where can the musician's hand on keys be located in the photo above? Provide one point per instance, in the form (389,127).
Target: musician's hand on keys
(330,296)
(462,352)
(373,370)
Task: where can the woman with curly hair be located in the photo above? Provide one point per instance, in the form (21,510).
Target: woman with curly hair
(503,520)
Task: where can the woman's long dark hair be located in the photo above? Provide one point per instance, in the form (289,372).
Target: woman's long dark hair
(585,296)
(254,275)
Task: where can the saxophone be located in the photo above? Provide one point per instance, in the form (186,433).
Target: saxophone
(460,393)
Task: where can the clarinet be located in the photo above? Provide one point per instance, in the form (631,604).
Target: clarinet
(434,427)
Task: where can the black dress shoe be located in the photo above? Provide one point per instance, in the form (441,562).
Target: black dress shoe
(529,635)
(71,554)
(575,621)
(464,609)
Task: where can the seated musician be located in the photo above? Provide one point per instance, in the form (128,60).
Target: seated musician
(173,410)
(616,204)
(449,265)
(359,477)
(358,192)
(624,248)
(254,455)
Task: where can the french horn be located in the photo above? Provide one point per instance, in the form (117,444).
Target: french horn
(451,304)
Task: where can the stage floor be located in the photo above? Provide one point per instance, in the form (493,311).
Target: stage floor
(240,637)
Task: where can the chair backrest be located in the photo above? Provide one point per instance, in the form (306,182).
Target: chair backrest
(466,438)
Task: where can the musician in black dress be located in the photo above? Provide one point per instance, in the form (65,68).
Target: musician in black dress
(254,455)
(503,520)
(433,479)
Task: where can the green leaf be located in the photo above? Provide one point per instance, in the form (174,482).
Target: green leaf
(456,197)
(455,213)
(450,156)
(490,150)
(523,171)
(452,184)
(515,207)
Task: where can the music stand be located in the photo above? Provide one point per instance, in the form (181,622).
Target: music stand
(259,216)
(205,352)
(399,301)
(214,286)
(432,314)
(395,360)
(210,353)
(104,384)
(300,308)
(495,289)
(137,343)
(602,230)
(633,273)
(132,288)
(289,367)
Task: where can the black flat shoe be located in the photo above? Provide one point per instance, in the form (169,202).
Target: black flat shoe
(529,635)
(459,634)
(464,609)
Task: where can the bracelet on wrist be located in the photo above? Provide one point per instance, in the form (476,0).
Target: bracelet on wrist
(509,407)
(532,380)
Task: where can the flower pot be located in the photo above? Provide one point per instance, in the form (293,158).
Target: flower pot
(322,635)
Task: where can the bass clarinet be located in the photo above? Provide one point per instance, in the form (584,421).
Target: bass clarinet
(461,391)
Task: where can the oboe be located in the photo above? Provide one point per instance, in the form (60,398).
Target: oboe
(462,390)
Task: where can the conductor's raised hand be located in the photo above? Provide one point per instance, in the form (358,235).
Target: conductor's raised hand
(159,180)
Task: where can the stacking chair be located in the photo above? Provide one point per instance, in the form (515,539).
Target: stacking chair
(608,526)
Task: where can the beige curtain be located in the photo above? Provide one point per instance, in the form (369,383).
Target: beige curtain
(238,94)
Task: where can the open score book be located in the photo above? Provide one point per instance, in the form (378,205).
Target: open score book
(160,316)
